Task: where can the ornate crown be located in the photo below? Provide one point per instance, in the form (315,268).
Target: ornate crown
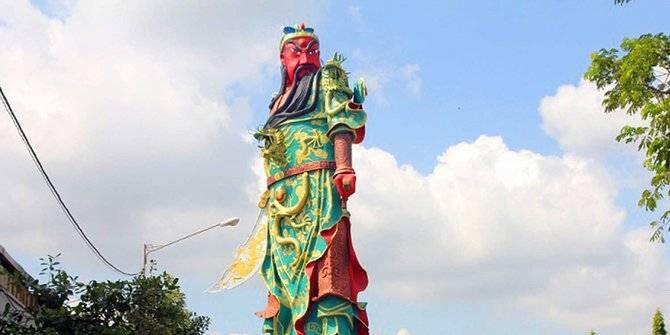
(298,30)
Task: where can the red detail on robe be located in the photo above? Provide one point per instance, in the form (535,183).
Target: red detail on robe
(337,273)
(271,309)
(359,135)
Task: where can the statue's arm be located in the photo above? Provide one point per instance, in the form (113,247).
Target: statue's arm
(346,122)
(345,176)
(343,137)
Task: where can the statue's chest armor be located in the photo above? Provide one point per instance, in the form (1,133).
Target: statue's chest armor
(298,141)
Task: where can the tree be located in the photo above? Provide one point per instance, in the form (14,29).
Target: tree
(636,81)
(658,325)
(146,304)
(593,332)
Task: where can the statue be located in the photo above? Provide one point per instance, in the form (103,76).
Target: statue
(302,243)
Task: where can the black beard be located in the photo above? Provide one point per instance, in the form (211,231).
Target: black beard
(298,100)
(308,69)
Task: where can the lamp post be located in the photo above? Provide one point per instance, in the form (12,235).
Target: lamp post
(149,248)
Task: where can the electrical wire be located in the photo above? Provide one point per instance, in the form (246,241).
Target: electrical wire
(55,192)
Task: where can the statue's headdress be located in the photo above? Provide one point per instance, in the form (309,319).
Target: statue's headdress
(298,30)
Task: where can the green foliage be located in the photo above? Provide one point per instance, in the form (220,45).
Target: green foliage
(658,325)
(146,304)
(593,332)
(636,81)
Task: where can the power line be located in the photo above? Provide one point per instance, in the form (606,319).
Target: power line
(55,193)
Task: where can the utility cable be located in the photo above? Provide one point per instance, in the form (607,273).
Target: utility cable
(54,191)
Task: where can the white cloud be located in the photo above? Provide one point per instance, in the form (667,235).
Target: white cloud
(379,77)
(354,13)
(616,297)
(575,117)
(621,293)
(403,331)
(376,78)
(510,228)
(411,75)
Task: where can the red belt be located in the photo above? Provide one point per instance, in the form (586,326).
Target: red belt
(292,171)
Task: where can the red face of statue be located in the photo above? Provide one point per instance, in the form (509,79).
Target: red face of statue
(300,57)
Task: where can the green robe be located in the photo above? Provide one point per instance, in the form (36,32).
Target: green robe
(303,206)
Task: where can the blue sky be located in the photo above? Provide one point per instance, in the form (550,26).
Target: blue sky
(491,59)
(441,74)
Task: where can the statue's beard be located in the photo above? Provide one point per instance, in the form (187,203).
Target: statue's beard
(303,70)
(297,101)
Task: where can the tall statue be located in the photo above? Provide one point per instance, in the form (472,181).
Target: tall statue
(302,242)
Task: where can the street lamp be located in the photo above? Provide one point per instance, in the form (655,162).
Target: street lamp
(149,248)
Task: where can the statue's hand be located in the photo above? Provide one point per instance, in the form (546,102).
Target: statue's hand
(345,183)
(360,91)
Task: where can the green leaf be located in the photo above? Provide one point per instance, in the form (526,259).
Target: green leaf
(627,77)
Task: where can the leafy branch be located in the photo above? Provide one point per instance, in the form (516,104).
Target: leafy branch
(635,79)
